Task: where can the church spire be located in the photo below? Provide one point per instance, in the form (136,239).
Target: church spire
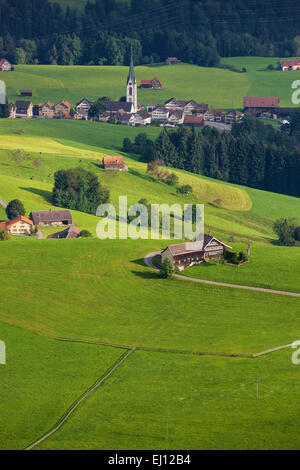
(131,92)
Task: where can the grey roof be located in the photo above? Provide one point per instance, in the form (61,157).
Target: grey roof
(115,106)
(22,105)
(192,247)
(50,216)
(144,114)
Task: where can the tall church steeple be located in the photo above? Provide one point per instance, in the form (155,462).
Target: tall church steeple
(131,92)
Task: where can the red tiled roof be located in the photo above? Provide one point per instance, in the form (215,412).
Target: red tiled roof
(7,223)
(261,102)
(286,63)
(146,82)
(113,161)
(3,61)
(193,119)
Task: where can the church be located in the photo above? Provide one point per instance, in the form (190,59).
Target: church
(131,92)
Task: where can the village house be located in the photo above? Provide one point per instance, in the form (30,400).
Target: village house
(5,66)
(70,232)
(190,108)
(289,65)
(176,117)
(62,105)
(47,110)
(214,115)
(126,119)
(114,163)
(142,118)
(160,114)
(18,226)
(153,83)
(184,255)
(114,107)
(51,217)
(24,109)
(172,61)
(26,92)
(258,105)
(193,121)
(82,109)
(233,116)
(103,116)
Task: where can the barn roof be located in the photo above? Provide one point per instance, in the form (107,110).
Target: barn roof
(193,247)
(286,63)
(261,102)
(113,161)
(50,216)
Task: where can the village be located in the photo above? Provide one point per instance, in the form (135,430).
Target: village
(130,112)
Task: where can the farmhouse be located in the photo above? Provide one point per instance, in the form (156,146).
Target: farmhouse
(289,65)
(82,108)
(154,84)
(190,108)
(193,121)
(5,66)
(24,109)
(160,114)
(233,116)
(172,61)
(51,217)
(114,163)
(188,254)
(26,92)
(70,232)
(19,225)
(62,105)
(47,110)
(214,115)
(176,117)
(258,105)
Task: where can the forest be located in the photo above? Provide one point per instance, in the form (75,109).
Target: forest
(252,153)
(196,31)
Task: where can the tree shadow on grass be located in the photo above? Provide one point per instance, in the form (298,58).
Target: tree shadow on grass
(47,195)
(139,261)
(146,274)
(142,176)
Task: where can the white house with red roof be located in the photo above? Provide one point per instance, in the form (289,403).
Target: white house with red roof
(18,226)
(5,66)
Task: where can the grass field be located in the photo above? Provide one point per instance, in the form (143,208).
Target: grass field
(101,291)
(218,87)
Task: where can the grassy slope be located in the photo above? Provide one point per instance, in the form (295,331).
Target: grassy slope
(41,380)
(210,402)
(217,87)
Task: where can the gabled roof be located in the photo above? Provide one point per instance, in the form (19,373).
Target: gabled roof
(193,247)
(23,105)
(20,218)
(4,61)
(291,62)
(261,102)
(85,99)
(114,106)
(65,102)
(48,104)
(50,216)
(113,161)
(193,119)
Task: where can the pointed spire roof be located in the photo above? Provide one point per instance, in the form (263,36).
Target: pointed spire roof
(131,75)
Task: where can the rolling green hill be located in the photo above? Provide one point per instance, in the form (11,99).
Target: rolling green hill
(218,87)
(101,291)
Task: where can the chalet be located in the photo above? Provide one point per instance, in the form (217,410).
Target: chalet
(26,92)
(103,116)
(82,109)
(172,61)
(257,105)
(160,114)
(47,110)
(154,84)
(5,66)
(151,107)
(62,105)
(12,110)
(18,226)
(114,163)
(24,109)
(184,255)
(51,217)
(70,232)
(142,118)
(173,103)
(214,115)
(124,118)
(190,108)
(233,116)
(193,121)
(289,65)
(176,117)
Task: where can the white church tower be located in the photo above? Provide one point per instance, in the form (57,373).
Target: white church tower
(131,92)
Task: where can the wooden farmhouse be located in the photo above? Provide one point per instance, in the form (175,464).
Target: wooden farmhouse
(47,110)
(82,109)
(18,226)
(258,105)
(51,217)
(62,105)
(5,66)
(153,83)
(70,232)
(184,255)
(114,163)
(24,109)
(289,65)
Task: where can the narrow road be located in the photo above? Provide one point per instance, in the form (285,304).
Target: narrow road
(148,262)
(77,403)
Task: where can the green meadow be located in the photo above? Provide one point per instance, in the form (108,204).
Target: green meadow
(218,87)
(101,291)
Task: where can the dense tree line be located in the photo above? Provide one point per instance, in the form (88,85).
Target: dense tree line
(78,189)
(196,31)
(252,154)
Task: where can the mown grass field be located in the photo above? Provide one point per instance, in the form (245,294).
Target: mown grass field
(218,87)
(97,290)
